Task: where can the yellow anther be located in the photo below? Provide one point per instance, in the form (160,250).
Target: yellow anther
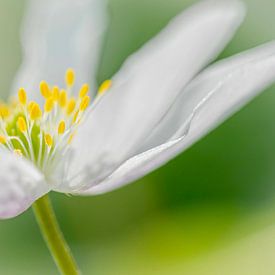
(4,111)
(21,124)
(62,99)
(30,105)
(55,93)
(106,85)
(18,152)
(45,90)
(69,77)
(49,104)
(61,127)
(75,116)
(84,103)
(71,106)
(48,140)
(71,137)
(22,96)
(3,139)
(35,112)
(84,90)
(39,132)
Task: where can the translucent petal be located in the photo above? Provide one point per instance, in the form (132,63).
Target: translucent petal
(58,35)
(208,83)
(212,97)
(147,85)
(20,184)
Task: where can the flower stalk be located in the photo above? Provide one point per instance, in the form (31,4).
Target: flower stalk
(53,237)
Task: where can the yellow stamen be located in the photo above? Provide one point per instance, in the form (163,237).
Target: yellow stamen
(61,127)
(48,140)
(55,93)
(30,105)
(22,96)
(62,99)
(21,124)
(69,78)
(45,90)
(3,139)
(71,106)
(18,152)
(71,137)
(35,112)
(75,116)
(84,90)
(106,85)
(4,111)
(49,105)
(40,133)
(84,103)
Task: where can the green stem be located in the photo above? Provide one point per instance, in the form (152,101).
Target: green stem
(53,237)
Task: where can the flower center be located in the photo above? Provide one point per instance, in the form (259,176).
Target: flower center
(43,136)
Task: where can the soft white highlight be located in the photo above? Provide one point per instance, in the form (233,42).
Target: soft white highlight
(163,99)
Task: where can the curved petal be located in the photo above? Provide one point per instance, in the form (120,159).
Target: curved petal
(148,84)
(217,93)
(20,184)
(58,35)
(131,170)
(200,89)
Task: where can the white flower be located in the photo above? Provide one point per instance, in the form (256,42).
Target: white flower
(160,102)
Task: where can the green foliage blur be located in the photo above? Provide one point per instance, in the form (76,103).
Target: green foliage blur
(210,211)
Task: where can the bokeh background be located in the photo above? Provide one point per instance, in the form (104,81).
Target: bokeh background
(209,211)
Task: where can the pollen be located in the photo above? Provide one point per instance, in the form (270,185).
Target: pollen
(84,90)
(48,140)
(84,103)
(21,124)
(61,127)
(42,132)
(49,104)
(105,86)
(30,105)
(62,99)
(69,78)
(71,106)
(55,95)
(35,112)
(3,139)
(45,90)
(4,111)
(22,96)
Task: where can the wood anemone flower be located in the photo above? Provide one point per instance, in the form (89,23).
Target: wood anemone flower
(162,100)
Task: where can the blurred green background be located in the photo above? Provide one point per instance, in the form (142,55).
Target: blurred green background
(209,211)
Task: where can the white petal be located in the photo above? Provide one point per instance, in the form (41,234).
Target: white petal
(148,83)
(131,170)
(20,184)
(206,83)
(214,95)
(58,35)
